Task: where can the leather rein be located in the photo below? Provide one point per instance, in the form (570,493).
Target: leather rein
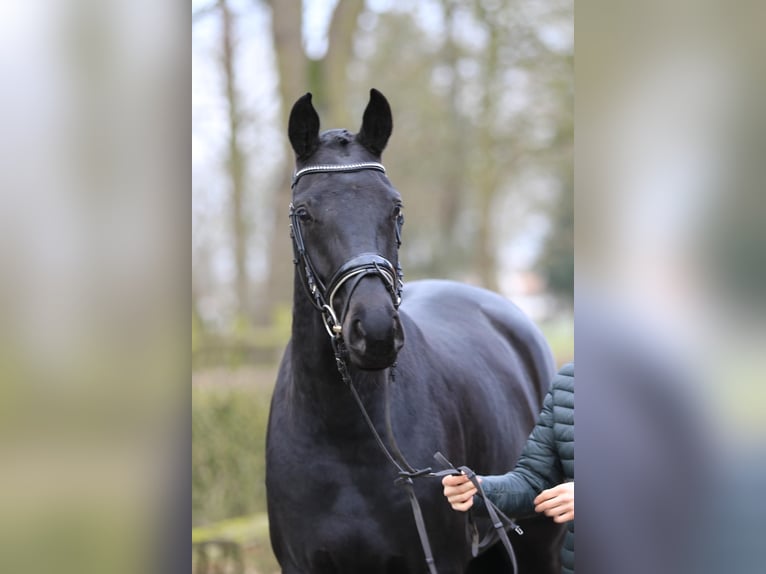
(322,298)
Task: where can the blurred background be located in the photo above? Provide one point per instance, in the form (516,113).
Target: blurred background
(96,417)
(482,153)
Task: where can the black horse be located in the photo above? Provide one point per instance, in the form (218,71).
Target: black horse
(455,369)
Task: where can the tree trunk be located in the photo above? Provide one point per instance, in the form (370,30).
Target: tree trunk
(334,108)
(329,84)
(293,81)
(453,176)
(235,162)
(487,178)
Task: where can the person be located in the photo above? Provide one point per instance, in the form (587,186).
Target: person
(543,479)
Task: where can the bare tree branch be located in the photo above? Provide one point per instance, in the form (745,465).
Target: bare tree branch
(201,13)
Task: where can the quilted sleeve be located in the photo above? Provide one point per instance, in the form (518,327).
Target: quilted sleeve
(538,468)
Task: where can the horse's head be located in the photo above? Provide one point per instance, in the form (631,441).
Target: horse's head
(346,220)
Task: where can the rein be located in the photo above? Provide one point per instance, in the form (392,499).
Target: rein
(407,473)
(322,298)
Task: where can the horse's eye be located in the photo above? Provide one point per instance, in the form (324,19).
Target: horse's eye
(398,214)
(303,214)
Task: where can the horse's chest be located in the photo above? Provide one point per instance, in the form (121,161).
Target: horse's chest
(350,527)
(338,492)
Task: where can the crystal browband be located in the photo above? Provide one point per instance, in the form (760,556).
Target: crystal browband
(348,167)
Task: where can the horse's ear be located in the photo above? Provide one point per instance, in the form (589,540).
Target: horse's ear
(303,127)
(377,123)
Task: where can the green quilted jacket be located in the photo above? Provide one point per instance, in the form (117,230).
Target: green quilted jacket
(547,460)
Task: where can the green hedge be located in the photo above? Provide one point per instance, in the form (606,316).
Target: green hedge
(228,452)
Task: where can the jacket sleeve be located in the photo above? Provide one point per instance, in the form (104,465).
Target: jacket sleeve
(538,468)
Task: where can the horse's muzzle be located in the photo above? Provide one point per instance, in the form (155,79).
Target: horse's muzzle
(374,337)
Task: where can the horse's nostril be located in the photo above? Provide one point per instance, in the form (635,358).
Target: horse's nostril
(357,340)
(398,333)
(357,328)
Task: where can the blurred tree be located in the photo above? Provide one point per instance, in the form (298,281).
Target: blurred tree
(482,98)
(327,79)
(556,261)
(292,69)
(236,167)
(331,82)
(488,169)
(453,176)
(481,107)
(234,172)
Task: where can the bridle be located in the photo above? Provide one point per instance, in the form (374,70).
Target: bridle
(322,297)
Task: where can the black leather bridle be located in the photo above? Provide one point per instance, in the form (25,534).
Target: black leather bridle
(322,297)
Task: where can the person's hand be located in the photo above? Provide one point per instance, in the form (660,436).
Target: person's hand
(557,502)
(459,491)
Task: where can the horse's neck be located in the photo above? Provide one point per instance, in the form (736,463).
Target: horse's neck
(317,384)
(311,348)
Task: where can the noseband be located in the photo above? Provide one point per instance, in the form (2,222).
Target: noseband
(323,296)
